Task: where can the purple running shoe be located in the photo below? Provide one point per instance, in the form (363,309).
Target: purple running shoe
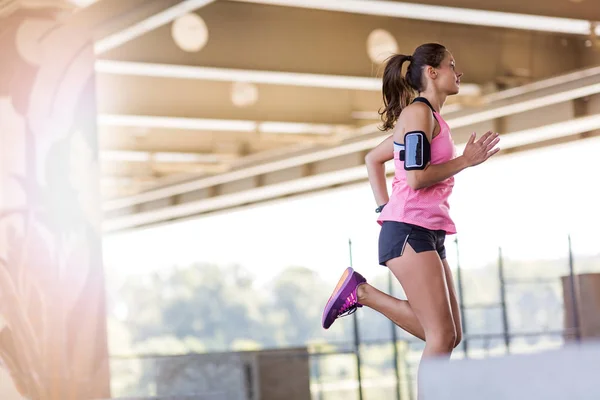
(344,299)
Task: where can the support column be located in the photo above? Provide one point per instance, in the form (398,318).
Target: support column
(52,295)
(582,309)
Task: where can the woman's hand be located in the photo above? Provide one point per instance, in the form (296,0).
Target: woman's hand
(479,151)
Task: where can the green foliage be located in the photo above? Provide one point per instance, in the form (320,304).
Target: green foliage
(222,308)
(208,308)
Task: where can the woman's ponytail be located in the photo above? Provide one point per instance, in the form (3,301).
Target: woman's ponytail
(397,92)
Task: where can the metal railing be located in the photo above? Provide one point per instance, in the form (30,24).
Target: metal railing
(397,379)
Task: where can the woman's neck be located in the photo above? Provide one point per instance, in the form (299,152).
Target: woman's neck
(437,100)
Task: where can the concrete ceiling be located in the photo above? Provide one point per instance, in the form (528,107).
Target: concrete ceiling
(167,115)
(578,9)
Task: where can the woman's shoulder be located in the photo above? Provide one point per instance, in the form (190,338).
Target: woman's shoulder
(417,109)
(416,116)
(416,112)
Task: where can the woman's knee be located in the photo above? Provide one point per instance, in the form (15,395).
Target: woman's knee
(459,335)
(458,338)
(444,339)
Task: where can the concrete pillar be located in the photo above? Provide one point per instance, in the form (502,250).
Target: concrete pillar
(586,312)
(52,298)
(284,374)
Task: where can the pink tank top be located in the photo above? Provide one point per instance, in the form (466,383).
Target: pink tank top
(427,207)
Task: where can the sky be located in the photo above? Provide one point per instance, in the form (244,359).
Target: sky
(526,202)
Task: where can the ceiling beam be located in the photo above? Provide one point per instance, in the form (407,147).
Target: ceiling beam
(540,94)
(146,25)
(147,169)
(137,156)
(107,16)
(528,97)
(253,76)
(372,137)
(98,16)
(442,14)
(352,174)
(199,124)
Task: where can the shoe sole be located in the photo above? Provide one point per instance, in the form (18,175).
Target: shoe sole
(341,285)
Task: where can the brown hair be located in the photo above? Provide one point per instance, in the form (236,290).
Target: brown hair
(398,90)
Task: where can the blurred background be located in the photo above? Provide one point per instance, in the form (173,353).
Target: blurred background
(199,167)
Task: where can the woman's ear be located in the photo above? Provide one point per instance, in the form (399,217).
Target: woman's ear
(429,72)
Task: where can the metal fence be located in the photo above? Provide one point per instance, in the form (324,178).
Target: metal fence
(504,283)
(394,378)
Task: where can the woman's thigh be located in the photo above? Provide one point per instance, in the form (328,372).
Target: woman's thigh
(423,278)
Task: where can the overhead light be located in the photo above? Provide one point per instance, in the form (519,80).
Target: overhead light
(441,14)
(149,24)
(200,124)
(240,75)
(190,32)
(244,94)
(381,45)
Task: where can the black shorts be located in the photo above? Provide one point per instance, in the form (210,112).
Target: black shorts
(394,236)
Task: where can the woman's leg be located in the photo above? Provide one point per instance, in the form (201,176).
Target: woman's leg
(423,277)
(453,302)
(399,311)
(352,290)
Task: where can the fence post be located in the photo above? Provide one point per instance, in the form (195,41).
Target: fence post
(394,340)
(356,339)
(573,295)
(501,276)
(461,302)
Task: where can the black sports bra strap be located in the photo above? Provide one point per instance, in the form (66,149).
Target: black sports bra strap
(424,100)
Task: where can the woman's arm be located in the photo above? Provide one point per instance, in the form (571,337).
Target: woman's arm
(375,161)
(433,174)
(420,119)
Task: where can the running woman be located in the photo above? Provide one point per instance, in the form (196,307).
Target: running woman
(415,219)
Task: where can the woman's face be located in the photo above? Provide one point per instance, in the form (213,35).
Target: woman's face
(448,76)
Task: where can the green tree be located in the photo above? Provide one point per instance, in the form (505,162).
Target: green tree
(217,305)
(298,295)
